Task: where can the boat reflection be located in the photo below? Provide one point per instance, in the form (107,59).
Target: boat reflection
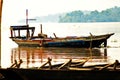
(34,57)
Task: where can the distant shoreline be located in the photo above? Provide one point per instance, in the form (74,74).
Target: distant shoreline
(78,16)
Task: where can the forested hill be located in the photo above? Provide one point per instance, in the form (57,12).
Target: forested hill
(109,15)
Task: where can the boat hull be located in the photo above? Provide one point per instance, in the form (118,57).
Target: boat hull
(77,43)
(37,74)
(82,42)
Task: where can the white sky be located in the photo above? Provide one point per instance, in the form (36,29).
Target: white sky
(15,9)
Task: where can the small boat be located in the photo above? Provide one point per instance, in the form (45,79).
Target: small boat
(42,40)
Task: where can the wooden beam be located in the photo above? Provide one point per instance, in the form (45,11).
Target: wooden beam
(65,64)
(1,3)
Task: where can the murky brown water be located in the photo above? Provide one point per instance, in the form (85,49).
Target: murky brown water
(34,57)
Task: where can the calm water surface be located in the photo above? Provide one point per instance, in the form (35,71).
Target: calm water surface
(34,57)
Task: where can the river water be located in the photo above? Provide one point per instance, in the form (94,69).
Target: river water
(34,57)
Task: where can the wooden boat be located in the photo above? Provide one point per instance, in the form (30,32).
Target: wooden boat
(69,73)
(43,41)
(37,74)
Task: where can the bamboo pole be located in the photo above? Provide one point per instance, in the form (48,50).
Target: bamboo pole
(90,48)
(1,2)
(26,16)
(28,33)
(41,29)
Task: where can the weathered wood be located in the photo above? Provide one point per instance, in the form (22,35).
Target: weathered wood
(20,62)
(80,69)
(105,67)
(16,64)
(48,62)
(113,64)
(80,64)
(73,73)
(105,43)
(40,74)
(65,64)
(81,42)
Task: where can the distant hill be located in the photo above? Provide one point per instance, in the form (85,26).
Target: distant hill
(108,15)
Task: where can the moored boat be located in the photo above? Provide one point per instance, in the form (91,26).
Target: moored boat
(42,40)
(37,74)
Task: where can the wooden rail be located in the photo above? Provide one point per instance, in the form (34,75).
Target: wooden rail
(1,3)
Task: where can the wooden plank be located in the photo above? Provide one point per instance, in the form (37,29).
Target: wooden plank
(80,69)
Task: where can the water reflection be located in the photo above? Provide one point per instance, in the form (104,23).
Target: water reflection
(33,57)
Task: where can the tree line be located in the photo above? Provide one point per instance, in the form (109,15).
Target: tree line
(108,15)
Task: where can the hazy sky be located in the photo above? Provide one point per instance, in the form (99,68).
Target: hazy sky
(15,9)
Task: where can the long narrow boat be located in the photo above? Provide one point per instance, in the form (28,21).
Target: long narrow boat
(37,74)
(99,72)
(43,41)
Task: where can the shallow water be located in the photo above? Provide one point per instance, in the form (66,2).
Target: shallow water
(33,57)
